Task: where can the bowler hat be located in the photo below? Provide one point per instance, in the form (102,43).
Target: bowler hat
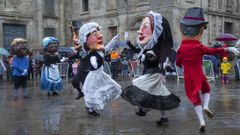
(76,24)
(194,16)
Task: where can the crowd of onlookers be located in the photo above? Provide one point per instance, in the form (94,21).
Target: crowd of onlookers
(118,61)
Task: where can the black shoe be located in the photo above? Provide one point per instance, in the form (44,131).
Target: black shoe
(141,113)
(80,94)
(202,128)
(55,93)
(48,94)
(209,113)
(161,121)
(93,113)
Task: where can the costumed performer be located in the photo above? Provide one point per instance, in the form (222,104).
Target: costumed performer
(189,57)
(50,79)
(149,90)
(98,87)
(19,48)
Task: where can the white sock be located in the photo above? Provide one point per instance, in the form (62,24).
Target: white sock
(206,98)
(198,109)
(163,114)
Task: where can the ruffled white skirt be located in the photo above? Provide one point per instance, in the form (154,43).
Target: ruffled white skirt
(99,88)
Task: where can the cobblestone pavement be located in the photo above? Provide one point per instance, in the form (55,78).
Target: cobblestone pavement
(63,115)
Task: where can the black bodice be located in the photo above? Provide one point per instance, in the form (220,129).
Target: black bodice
(51,59)
(85,63)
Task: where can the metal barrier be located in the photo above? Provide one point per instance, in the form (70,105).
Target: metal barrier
(180,73)
(207,67)
(136,68)
(63,69)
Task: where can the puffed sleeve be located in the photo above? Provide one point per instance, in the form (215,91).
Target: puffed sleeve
(93,61)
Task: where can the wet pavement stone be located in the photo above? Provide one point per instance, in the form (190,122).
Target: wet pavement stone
(63,115)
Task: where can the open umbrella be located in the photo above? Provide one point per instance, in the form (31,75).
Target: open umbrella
(4,51)
(38,57)
(65,49)
(226,37)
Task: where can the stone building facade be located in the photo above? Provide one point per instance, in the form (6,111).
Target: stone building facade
(117,16)
(35,19)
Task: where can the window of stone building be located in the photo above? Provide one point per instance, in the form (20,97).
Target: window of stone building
(237,6)
(112,31)
(49,32)
(229,4)
(220,4)
(210,4)
(85,5)
(49,7)
(190,1)
(228,27)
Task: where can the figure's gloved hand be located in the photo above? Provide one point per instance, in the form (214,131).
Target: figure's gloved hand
(238,44)
(233,50)
(24,72)
(166,63)
(112,43)
(63,59)
(115,38)
(142,57)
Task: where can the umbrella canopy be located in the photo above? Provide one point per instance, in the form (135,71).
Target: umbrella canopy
(226,37)
(38,57)
(4,51)
(65,49)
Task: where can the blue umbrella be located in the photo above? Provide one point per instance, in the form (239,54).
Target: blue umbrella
(38,57)
(121,44)
(4,51)
(65,49)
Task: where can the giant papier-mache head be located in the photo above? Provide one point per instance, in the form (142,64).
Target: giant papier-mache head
(192,22)
(155,32)
(50,44)
(90,37)
(19,47)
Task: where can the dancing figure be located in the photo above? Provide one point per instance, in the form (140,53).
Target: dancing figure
(149,91)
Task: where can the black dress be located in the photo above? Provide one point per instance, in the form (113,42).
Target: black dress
(149,90)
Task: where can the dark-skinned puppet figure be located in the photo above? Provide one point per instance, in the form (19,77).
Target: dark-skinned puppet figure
(19,48)
(189,57)
(149,91)
(98,87)
(51,81)
(79,54)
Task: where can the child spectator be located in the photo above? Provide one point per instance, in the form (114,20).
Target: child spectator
(124,67)
(225,67)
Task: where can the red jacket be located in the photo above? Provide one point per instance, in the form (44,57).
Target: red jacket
(189,56)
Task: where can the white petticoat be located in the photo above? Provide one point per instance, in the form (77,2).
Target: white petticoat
(152,83)
(99,88)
